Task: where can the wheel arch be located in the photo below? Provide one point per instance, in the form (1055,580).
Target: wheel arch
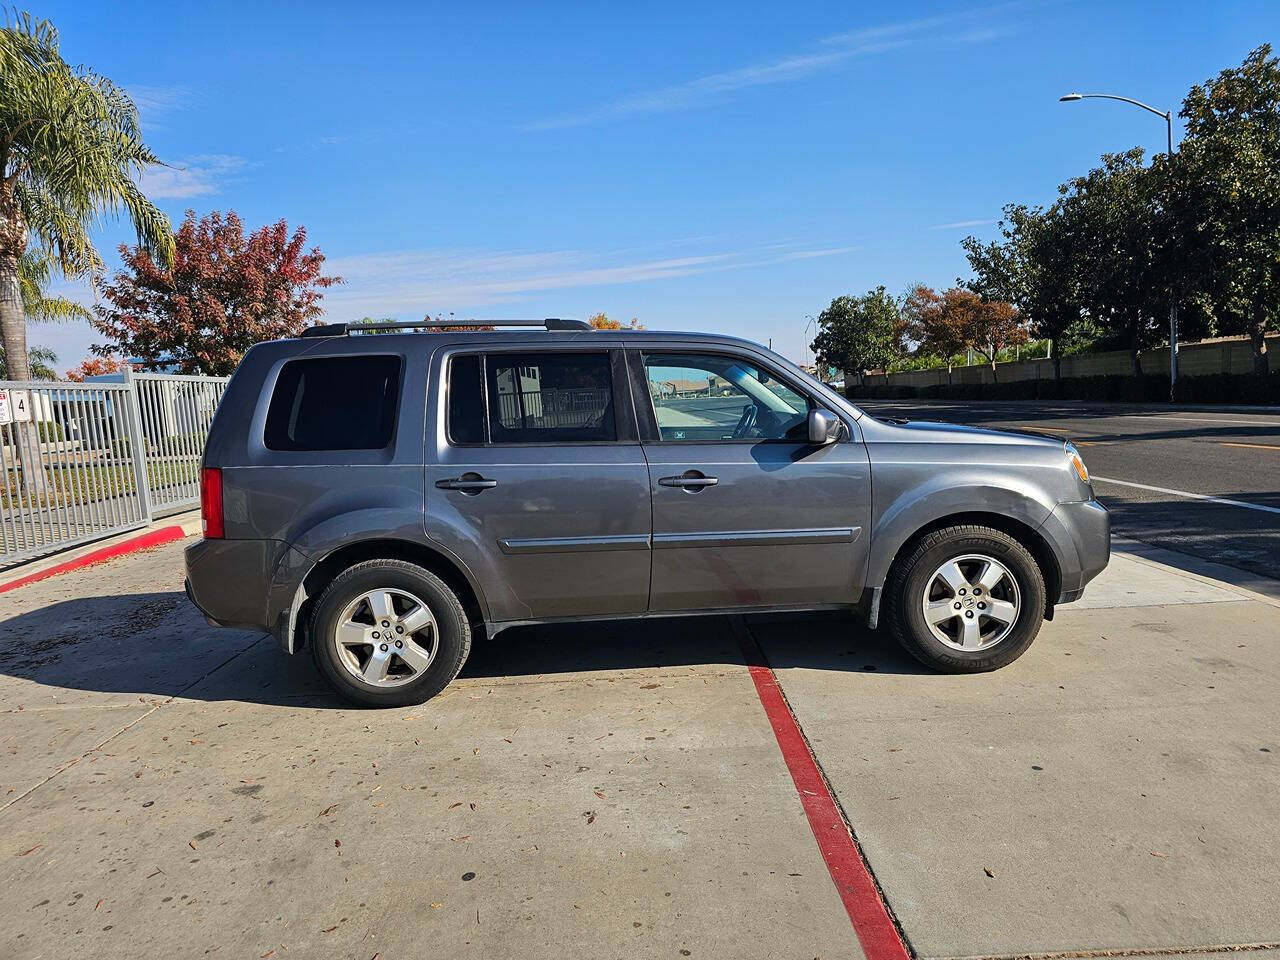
(1018,529)
(434,560)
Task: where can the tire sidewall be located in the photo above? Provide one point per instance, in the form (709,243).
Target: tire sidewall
(451,623)
(1021,565)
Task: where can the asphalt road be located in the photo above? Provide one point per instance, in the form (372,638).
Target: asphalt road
(1150,466)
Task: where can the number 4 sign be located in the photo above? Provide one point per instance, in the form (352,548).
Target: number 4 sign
(15,405)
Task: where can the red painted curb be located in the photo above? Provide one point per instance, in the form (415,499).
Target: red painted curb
(849,871)
(153,538)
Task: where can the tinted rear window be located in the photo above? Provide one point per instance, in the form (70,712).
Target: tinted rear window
(334,403)
(550,397)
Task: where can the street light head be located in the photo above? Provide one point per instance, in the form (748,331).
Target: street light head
(1067,98)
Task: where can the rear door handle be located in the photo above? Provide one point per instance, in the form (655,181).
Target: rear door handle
(468,482)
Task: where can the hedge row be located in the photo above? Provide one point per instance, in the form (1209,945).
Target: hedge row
(1213,388)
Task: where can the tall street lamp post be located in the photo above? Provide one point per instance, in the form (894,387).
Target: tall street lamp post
(1167,116)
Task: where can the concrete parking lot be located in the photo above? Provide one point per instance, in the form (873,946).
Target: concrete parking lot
(617,790)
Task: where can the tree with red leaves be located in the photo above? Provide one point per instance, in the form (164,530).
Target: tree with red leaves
(96,367)
(225,292)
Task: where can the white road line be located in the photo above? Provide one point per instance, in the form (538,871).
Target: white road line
(1194,496)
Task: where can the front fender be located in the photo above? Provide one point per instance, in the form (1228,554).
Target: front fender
(910,507)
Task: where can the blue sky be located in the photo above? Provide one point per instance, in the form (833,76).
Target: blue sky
(720,166)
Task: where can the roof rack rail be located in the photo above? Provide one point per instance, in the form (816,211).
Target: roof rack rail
(557,324)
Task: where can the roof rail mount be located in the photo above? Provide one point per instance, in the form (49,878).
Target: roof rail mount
(345,329)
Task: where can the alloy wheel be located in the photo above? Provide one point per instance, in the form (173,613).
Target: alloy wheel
(971,602)
(386,637)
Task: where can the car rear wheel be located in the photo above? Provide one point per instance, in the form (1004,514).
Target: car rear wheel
(967,599)
(387,633)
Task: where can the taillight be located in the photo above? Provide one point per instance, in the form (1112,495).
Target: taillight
(211,502)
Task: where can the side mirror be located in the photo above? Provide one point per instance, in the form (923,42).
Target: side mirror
(824,427)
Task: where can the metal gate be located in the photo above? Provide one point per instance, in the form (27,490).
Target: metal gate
(82,461)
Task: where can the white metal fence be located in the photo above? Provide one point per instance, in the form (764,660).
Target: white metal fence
(81,461)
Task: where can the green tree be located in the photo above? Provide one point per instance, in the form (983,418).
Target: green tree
(857,334)
(40,361)
(1227,200)
(34,274)
(1120,247)
(70,152)
(1034,266)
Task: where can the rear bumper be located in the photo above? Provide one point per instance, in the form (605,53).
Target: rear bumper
(1081,537)
(228,580)
(248,585)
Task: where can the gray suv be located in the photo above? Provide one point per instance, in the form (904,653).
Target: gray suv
(384,499)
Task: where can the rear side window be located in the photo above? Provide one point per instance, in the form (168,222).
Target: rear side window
(531,398)
(334,403)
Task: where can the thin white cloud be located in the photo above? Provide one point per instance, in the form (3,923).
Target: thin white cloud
(155,101)
(833,52)
(813,254)
(414,282)
(193,177)
(961,224)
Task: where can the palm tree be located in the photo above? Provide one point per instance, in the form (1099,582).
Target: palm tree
(34,274)
(70,151)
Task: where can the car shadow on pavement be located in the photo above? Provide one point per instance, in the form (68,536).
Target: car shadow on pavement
(818,641)
(153,645)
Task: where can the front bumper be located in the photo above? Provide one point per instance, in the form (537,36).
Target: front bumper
(1081,537)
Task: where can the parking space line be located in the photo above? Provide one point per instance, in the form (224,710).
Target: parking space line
(849,871)
(1193,496)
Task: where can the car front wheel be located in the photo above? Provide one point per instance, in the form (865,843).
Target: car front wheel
(967,599)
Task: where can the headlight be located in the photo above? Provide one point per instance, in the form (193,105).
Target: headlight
(1073,455)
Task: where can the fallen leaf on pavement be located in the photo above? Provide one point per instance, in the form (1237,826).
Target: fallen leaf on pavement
(32,850)
(98,904)
(987,871)
(327,810)
(192,845)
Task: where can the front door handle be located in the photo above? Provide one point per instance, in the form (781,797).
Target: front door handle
(468,483)
(690,480)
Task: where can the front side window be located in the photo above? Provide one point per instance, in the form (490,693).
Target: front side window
(334,403)
(719,397)
(532,398)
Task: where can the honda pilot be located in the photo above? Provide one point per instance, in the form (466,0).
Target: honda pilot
(384,501)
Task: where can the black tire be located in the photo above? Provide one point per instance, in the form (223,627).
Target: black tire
(911,577)
(453,639)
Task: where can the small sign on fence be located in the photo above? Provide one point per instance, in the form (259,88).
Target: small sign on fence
(15,406)
(20,403)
